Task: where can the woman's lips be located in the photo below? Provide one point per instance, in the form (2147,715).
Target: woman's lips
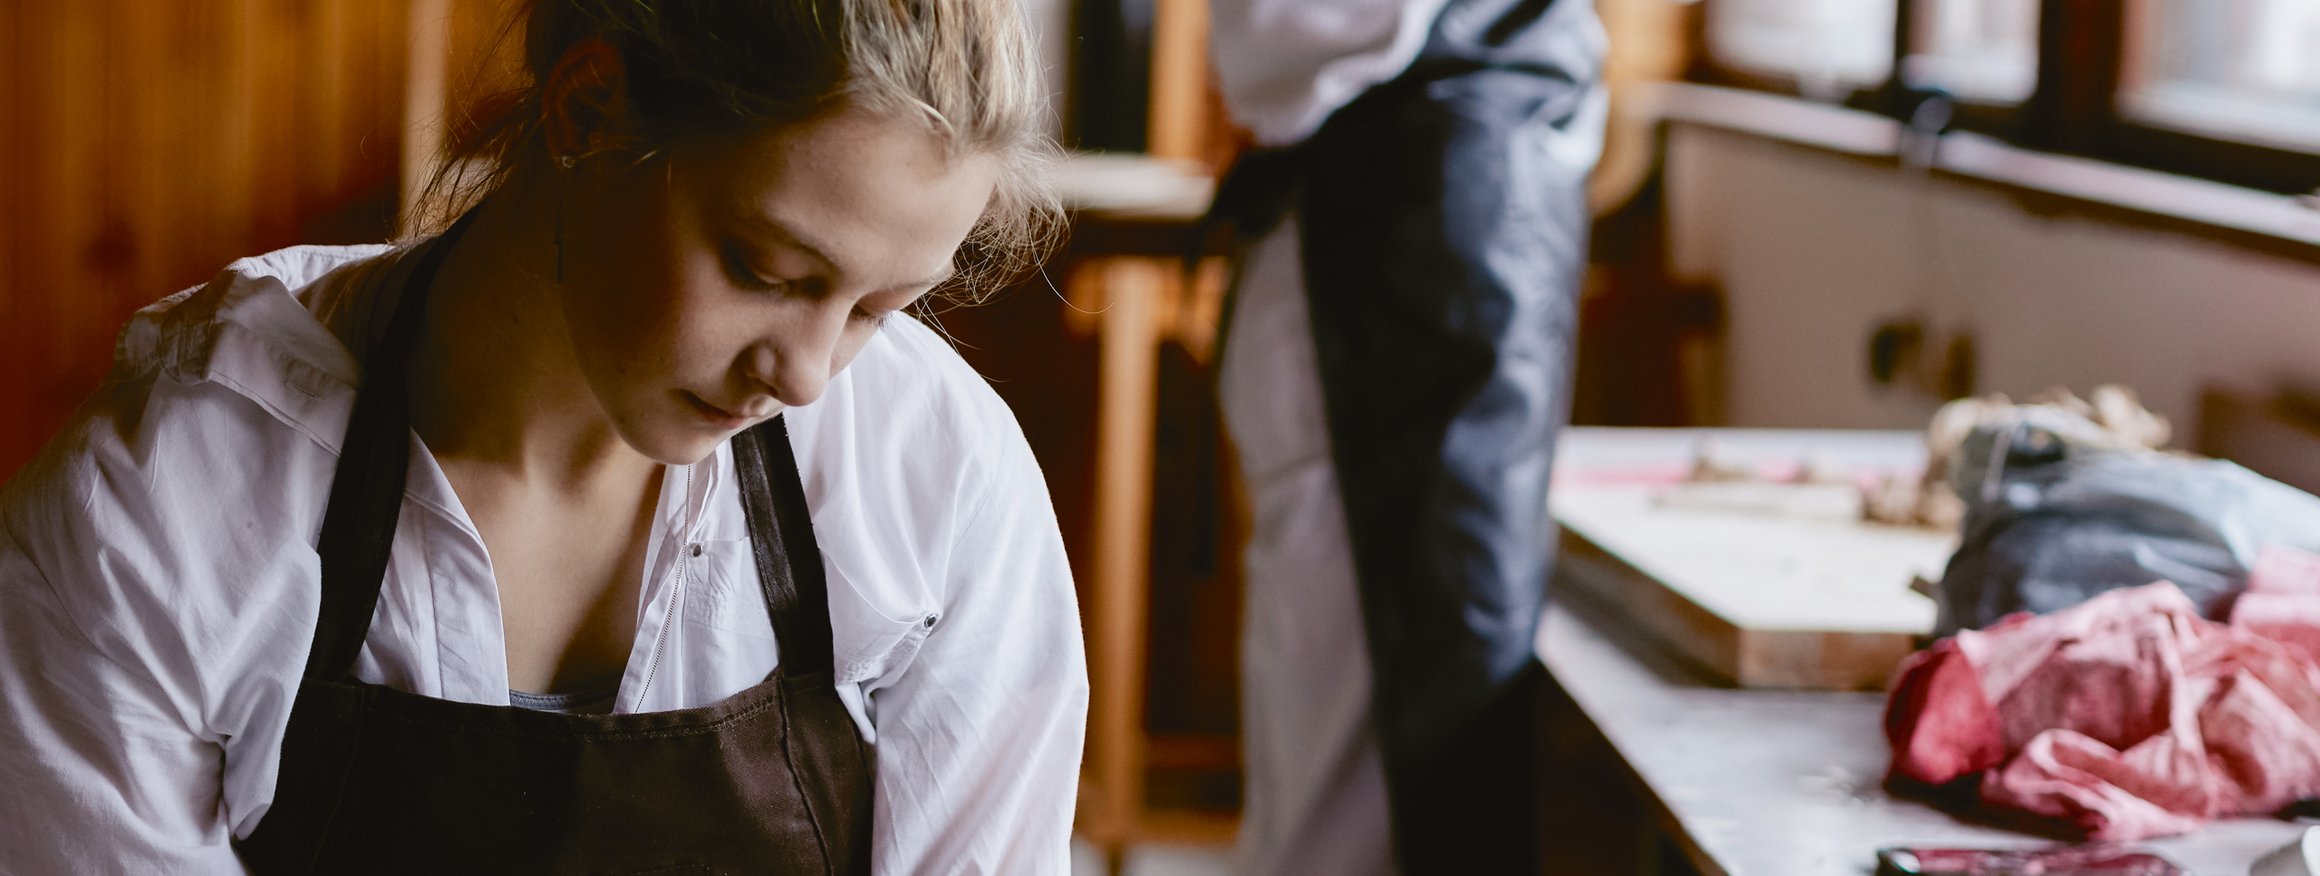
(714,415)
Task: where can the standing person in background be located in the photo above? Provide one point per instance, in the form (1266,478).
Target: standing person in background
(1396,368)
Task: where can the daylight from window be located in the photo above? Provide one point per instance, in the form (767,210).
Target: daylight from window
(2242,69)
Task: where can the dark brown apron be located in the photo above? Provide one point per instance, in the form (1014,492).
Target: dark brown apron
(774,779)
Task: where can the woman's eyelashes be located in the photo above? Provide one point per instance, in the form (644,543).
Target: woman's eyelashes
(737,269)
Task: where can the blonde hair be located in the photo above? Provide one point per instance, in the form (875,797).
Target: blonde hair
(714,68)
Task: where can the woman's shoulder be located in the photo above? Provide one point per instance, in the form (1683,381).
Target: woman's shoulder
(193,475)
(216,394)
(925,498)
(169,529)
(910,393)
(914,358)
(907,447)
(287,302)
(210,380)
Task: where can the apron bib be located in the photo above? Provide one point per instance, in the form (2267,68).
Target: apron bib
(774,779)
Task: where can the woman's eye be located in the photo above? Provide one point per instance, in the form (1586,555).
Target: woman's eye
(737,269)
(874,320)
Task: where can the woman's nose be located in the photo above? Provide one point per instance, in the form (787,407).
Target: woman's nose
(797,356)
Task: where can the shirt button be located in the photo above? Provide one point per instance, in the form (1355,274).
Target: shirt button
(696,549)
(927,622)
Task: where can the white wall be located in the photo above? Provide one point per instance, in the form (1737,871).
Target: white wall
(1813,250)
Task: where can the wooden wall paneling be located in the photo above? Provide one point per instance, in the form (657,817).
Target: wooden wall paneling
(426,84)
(315,83)
(35,230)
(370,84)
(31,231)
(138,148)
(321,90)
(180,191)
(21,274)
(371,93)
(282,132)
(232,158)
(69,138)
(187,128)
(15,404)
(102,241)
(340,174)
(387,88)
(108,249)
(69,176)
(147,145)
(367,143)
(486,57)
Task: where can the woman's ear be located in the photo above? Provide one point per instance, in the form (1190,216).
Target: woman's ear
(584,103)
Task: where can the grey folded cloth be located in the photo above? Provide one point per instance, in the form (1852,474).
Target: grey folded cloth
(2058,510)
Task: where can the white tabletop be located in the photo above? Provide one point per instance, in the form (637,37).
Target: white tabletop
(1779,783)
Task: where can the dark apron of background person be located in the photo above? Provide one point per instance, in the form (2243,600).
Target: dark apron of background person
(1442,251)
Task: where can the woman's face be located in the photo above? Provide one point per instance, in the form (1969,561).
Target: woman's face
(706,292)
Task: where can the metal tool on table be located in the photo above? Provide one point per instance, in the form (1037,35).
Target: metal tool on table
(2055,861)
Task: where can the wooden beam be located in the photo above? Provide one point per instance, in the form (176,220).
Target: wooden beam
(1125,398)
(1178,118)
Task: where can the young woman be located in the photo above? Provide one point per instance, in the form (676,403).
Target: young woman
(627,525)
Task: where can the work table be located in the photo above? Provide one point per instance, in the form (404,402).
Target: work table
(1785,783)
(1773,782)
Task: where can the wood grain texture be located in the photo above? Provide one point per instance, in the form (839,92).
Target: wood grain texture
(147,145)
(1756,600)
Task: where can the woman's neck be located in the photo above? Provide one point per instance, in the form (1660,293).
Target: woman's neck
(496,387)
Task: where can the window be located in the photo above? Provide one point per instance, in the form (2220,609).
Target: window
(2223,89)
(2240,69)
(1983,51)
(1825,48)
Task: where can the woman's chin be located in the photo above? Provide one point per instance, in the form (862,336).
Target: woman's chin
(685,445)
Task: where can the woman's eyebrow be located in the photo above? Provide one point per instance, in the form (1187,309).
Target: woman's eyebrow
(794,238)
(787,235)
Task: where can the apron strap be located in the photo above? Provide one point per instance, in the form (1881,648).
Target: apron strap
(366,494)
(789,560)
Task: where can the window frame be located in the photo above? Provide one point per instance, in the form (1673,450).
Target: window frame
(2073,109)
(2002,119)
(1707,70)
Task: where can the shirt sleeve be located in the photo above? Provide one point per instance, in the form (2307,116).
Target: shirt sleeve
(979,741)
(1283,66)
(102,774)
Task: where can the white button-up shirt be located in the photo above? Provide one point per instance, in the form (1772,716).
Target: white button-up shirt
(1284,66)
(159,586)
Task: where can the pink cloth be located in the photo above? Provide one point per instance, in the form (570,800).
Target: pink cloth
(2282,601)
(2128,716)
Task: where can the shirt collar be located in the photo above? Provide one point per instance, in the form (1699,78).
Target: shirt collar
(258,329)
